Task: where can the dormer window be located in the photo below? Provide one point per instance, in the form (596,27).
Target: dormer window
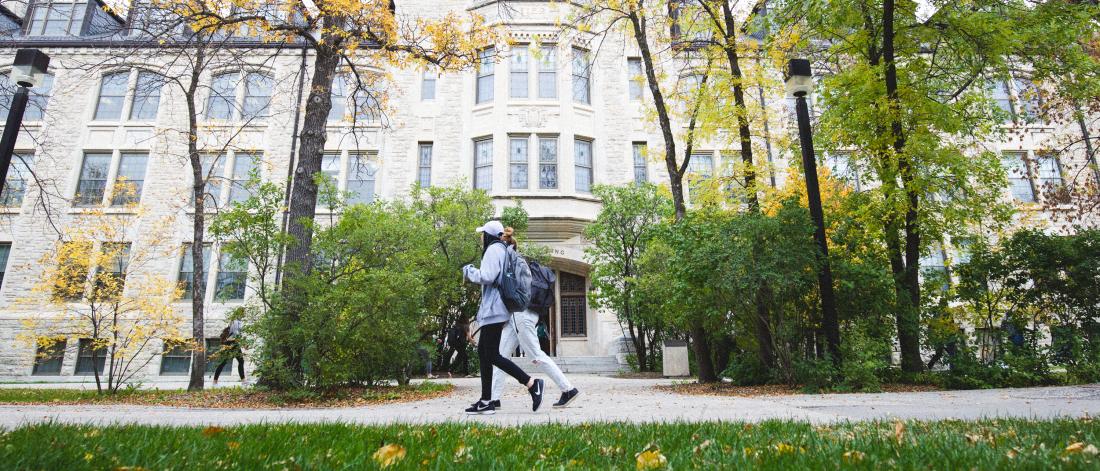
(57,18)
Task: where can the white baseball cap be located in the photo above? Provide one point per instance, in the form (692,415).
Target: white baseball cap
(493,228)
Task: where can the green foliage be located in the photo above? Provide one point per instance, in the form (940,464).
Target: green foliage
(630,218)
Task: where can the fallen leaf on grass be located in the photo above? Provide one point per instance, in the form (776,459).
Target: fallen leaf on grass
(389,455)
(899,431)
(212,431)
(650,458)
(853,456)
(703,446)
(1075,447)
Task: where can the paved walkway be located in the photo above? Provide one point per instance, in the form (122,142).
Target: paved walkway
(612,399)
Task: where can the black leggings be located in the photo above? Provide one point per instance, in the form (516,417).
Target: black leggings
(230,355)
(488,352)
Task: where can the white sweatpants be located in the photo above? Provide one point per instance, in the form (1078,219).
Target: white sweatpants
(528,340)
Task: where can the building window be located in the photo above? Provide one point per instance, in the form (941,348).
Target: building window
(48,358)
(1019,179)
(582,157)
(635,77)
(213,354)
(933,267)
(73,265)
(92,186)
(56,18)
(1050,172)
(1027,99)
(130,178)
(85,364)
(361,178)
(1002,97)
(232,274)
(701,167)
(485,76)
(518,71)
(640,168)
(548,73)
(548,163)
(517,163)
(244,164)
(146,101)
(175,360)
(5,252)
(187,269)
(483,164)
(427,83)
(213,167)
(112,94)
(841,167)
(15,186)
(110,279)
(424,174)
(36,101)
(254,93)
(330,168)
(347,91)
(582,76)
(574,305)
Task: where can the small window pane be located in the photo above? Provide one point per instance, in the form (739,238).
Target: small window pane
(548,73)
(187,269)
(85,364)
(424,175)
(483,164)
(48,359)
(361,179)
(223,97)
(640,167)
(36,103)
(5,252)
(19,174)
(339,98)
(582,153)
(517,163)
(146,97)
(243,167)
(519,68)
(427,85)
(581,76)
(548,163)
(213,170)
(176,360)
(112,92)
(635,76)
(257,96)
(1019,179)
(485,76)
(93,179)
(130,179)
(1050,172)
(232,273)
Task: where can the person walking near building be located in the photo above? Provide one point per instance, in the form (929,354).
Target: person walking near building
(231,348)
(492,315)
(456,339)
(522,329)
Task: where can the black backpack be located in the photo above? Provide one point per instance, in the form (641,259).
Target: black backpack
(542,287)
(514,282)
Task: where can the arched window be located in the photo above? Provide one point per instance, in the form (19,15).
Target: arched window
(36,104)
(112,94)
(348,93)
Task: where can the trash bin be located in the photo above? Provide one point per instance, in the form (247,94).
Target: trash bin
(675,359)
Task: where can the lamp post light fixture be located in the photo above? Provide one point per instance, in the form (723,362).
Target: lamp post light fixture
(27,71)
(799,84)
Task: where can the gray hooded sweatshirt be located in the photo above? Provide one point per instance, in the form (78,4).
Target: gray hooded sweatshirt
(492,309)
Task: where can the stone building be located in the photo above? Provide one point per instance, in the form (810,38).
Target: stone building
(541,122)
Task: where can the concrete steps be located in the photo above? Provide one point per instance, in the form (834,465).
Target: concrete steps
(599,365)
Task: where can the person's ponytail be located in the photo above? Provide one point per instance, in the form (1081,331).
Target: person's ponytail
(509,237)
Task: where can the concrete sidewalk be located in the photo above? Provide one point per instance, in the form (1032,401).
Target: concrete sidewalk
(611,399)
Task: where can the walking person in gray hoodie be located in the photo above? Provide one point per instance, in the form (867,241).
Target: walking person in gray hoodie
(492,316)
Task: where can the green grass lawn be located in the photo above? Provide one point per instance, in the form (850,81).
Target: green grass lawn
(230,397)
(997,444)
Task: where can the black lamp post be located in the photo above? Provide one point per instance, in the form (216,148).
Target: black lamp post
(799,80)
(28,71)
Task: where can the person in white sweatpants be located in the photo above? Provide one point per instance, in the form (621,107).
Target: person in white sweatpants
(521,329)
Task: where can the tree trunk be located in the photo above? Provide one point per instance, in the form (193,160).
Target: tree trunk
(198,228)
(723,348)
(1090,152)
(675,176)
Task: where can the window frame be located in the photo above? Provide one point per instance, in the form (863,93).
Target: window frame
(584,78)
(5,261)
(543,164)
(357,161)
(82,359)
(38,99)
(1025,167)
(590,168)
(171,351)
(515,164)
(644,164)
(29,21)
(12,199)
(635,88)
(486,62)
(424,170)
(487,184)
(57,354)
(104,80)
(514,82)
(239,99)
(428,76)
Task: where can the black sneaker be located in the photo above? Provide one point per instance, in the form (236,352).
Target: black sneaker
(495,403)
(481,408)
(567,398)
(536,395)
